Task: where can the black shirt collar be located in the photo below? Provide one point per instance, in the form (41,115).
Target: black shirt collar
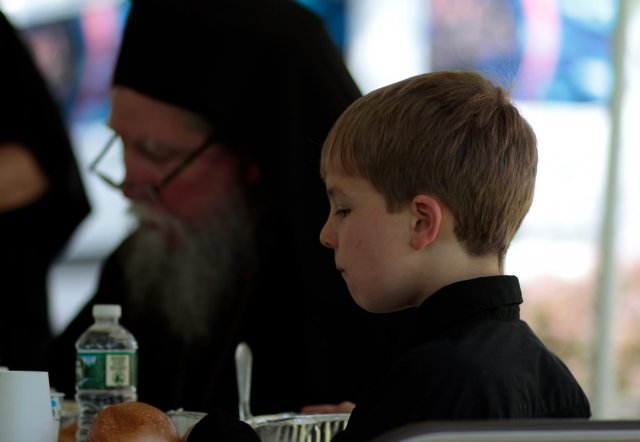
(495,297)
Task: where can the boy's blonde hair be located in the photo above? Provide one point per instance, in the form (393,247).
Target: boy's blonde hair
(451,134)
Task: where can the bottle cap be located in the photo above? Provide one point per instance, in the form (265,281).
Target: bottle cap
(106,311)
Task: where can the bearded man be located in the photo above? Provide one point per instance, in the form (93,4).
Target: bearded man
(221,108)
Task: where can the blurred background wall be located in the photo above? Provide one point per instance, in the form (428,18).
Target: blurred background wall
(573,68)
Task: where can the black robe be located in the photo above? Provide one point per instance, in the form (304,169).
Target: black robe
(470,357)
(36,234)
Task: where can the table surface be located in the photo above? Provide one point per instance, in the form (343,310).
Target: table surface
(68,433)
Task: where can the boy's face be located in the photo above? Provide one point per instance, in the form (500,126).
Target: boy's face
(372,246)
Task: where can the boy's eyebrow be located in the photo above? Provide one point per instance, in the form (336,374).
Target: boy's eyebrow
(332,191)
(335,194)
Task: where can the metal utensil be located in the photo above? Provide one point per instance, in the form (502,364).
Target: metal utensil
(244,363)
(281,427)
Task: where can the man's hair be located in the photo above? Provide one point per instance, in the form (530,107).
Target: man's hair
(451,134)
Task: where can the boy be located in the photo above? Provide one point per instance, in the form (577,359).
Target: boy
(429,179)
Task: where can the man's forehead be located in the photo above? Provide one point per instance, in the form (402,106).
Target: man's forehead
(130,107)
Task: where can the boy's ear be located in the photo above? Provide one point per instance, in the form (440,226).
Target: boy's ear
(427,217)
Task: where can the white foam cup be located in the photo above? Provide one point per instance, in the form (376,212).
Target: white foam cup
(25,407)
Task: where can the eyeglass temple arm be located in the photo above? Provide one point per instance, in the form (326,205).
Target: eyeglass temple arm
(103,152)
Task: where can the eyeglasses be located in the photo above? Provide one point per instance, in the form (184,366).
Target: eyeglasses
(151,191)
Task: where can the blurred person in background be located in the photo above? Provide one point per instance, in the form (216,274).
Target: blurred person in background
(222,108)
(42,200)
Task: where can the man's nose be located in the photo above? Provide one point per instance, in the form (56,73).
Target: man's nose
(139,178)
(137,191)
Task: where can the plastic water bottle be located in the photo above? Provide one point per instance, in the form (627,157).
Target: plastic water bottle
(106,366)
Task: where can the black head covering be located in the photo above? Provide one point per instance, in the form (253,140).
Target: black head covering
(264,72)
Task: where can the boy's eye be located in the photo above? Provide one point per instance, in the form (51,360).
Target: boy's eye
(341,212)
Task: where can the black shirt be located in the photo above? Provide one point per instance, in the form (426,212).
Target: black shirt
(470,357)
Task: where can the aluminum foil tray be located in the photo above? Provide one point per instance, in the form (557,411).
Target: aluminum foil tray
(298,427)
(284,427)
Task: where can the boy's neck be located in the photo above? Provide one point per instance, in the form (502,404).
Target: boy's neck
(449,262)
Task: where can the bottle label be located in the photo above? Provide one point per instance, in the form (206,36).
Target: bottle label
(97,369)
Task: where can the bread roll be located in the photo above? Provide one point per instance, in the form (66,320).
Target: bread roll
(133,422)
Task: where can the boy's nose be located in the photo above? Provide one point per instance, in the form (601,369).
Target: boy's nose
(326,238)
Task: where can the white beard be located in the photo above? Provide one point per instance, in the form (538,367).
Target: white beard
(187,281)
